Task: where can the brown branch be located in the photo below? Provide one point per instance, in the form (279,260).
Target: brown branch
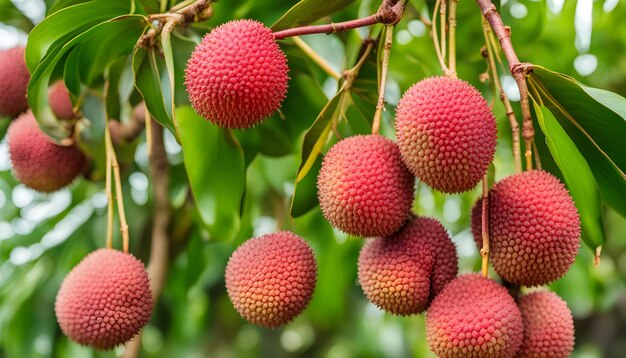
(518,70)
(159,249)
(389,13)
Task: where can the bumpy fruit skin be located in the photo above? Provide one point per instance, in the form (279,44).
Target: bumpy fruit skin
(476,222)
(364,189)
(548,326)
(446,133)
(39,163)
(474,317)
(105,300)
(270,279)
(237,76)
(60,102)
(402,273)
(534,228)
(14,79)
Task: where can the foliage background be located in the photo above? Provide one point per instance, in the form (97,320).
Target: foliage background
(43,236)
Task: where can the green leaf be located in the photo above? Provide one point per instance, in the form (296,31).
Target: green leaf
(595,121)
(307,11)
(148,82)
(11,16)
(578,177)
(305,191)
(216,171)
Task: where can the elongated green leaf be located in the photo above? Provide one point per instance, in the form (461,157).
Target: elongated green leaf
(578,177)
(305,191)
(216,171)
(307,11)
(166,45)
(594,120)
(148,82)
(11,16)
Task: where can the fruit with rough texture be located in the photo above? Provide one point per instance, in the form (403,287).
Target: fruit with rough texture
(402,273)
(105,300)
(364,189)
(446,133)
(476,222)
(14,79)
(60,102)
(548,326)
(534,228)
(37,161)
(237,76)
(270,279)
(474,317)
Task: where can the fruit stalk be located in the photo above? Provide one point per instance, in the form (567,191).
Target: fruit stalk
(452,37)
(380,105)
(484,252)
(119,197)
(517,69)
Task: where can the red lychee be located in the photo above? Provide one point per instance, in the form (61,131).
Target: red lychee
(37,161)
(14,79)
(474,317)
(270,279)
(237,75)
(364,189)
(548,326)
(403,272)
(105,300)
(446,133)
(476,222)
(60,102)
(534,228)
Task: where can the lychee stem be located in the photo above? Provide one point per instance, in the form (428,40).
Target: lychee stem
(315,57)
(435,37)
(380,105)
(484,252)
(452,38)
(493,74)
(443,7)
(110,204)
(518,70)
(119,197)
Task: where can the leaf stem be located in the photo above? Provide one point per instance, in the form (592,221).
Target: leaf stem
(380,105)
(484,252)
(315,57)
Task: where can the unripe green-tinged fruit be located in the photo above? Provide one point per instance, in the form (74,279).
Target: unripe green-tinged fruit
(548,326)
(270,279)
(14,79)
(474,317)
(534,228)
(37,161)
(237,75)
(364,189)
(446,133)
(403,272)
(105,300)
(60,102)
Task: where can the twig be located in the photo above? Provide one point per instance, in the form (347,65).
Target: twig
(319,60)
(380,105)
(442,26)
(110,204)
(435,37)
(517,69)
(119,197)
(452,37)
(484,252)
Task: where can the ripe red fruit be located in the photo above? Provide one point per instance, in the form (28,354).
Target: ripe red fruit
(60,102)
(476,222)
(14,79)
(105,300)
(37,161)
(237,75)
(446,133)
(474,317)
(403,272)
(534,228)
(270,279)
(548,326)
(364,188)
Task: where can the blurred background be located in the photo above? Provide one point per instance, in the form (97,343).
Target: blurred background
(43,236)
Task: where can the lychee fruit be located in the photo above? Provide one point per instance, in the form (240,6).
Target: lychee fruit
(364,189)
(474,317)
(403,272)
(476,222)
(548,326)
(446,133)
(105,300)
(534,228)
(14,79)
(237,76)
(60,103)
(37,161)
(270,279)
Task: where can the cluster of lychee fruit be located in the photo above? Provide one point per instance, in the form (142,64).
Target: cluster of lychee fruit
(38,162)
